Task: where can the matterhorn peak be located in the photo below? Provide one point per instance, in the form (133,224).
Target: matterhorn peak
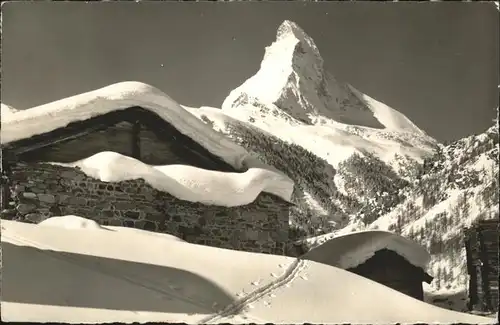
(291,47)
(289,27)
(292,82)
(303,42)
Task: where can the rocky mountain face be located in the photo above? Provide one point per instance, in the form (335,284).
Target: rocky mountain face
(358,163)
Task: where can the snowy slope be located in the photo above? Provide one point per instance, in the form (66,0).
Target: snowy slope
(52,273)
(187,182)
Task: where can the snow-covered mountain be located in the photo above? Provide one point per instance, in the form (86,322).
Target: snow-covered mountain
(292,87)
(292,80)
(323,133)
(357,163)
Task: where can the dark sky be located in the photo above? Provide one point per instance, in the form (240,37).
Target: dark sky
(435,62)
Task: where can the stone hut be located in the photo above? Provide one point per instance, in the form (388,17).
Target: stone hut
(384,257)
(38,183)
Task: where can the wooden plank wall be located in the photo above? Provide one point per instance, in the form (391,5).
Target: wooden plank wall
(481,244)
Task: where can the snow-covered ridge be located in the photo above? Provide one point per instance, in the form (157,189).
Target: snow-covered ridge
(389,117)
(189,183)
(350,250)
(48,117)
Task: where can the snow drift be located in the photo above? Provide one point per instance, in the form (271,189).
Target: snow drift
(92,275)
(71,222)
(350,250)
(187,182)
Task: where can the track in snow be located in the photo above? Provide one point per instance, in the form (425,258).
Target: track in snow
(292,273)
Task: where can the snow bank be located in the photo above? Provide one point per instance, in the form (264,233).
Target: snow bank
(187,182)
(350,250)
(76,222)
(51,116)
(115,276)
(71,222)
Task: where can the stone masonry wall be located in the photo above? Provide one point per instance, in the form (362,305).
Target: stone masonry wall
(39,191)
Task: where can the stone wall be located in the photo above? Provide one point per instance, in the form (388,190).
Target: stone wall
(39,191)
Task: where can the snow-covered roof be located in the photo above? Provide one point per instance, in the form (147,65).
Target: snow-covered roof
(48,117)
(187,182)
(353,249)
(94,275)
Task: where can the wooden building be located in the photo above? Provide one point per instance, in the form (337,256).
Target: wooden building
(392,270)
(481,245)
(377,255)
(133,132)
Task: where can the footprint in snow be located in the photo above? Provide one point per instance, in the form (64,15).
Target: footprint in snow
(267,303)
(274,275)
(303,277)
(281,265)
